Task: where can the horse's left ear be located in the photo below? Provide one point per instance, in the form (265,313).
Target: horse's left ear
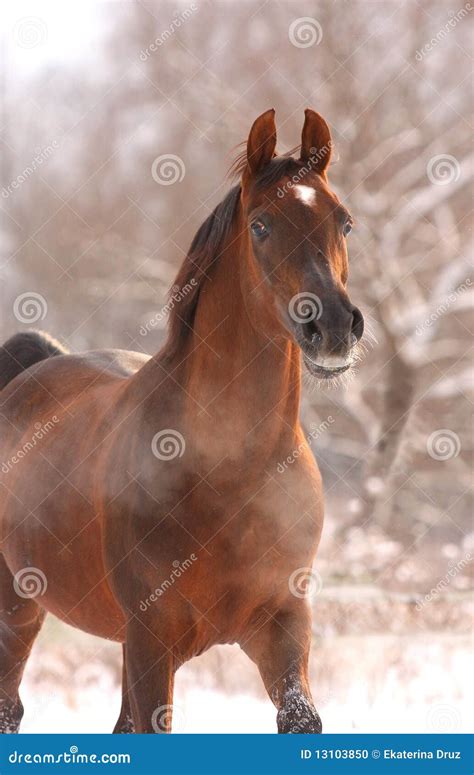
(261,142)
(316,143)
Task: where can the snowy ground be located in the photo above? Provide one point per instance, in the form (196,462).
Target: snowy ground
(375,683)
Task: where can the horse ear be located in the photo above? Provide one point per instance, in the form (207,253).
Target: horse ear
(316,143)
(261,142)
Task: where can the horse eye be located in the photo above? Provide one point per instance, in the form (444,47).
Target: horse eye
(258,229)
(347,228)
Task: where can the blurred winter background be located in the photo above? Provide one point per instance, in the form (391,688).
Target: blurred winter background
(92,230)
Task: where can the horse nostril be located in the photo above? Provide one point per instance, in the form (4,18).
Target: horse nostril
(312,333)
(316,338)
(357,328)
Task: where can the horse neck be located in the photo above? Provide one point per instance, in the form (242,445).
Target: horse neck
(238,382)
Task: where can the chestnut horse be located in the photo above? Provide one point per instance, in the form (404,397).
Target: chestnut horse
(141,499)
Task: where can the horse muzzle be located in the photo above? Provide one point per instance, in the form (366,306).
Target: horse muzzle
(328,343)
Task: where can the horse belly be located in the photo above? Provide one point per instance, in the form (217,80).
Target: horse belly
(55,554)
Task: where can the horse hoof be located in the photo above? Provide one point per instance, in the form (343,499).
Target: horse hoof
(299,719)
(10,717)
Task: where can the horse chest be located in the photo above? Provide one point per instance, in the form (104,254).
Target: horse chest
(257,543)
(226,546)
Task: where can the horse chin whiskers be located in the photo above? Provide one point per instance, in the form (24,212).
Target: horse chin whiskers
(336,381)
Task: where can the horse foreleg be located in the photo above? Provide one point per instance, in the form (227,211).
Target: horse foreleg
(280,649)
(124,723)
(20,623)
(150,671)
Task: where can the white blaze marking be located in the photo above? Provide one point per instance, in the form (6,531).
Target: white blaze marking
(306,194)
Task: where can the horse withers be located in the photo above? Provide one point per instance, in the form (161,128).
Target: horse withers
(153,511)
